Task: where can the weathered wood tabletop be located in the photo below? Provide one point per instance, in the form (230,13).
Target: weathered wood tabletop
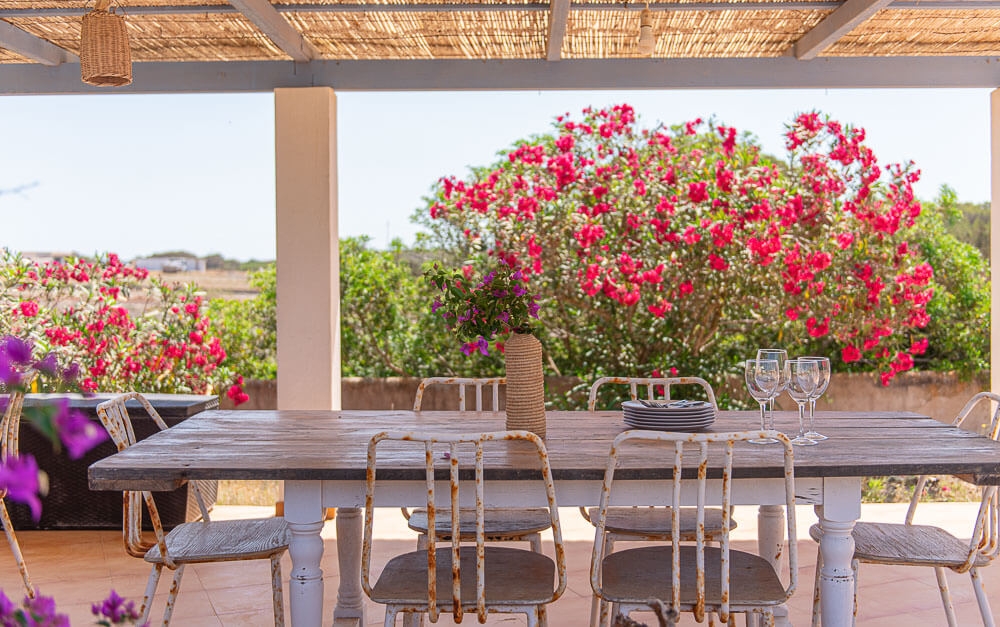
(317,445)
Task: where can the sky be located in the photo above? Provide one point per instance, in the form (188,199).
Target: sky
(138,174)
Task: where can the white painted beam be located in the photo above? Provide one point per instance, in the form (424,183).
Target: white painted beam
(835,26)
(558,15)
(454,75)
(263,14)
(995,238)
(31,47)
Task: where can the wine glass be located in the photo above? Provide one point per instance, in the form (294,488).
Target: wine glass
(803,379)
(823,383)
(780,356)
(762,378)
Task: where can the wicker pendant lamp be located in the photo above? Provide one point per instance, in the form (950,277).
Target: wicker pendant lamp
(647,40)
(105,58)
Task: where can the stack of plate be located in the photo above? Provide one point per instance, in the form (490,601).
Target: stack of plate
(668,415)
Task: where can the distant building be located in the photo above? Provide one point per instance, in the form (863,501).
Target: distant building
(45,257)
(171,264)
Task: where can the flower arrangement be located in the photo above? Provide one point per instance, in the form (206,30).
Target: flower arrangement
(479,310)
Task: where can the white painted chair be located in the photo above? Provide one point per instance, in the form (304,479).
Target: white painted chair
(471,578)
(690,578)
(193,542)
(924,545)
(649,523)
(10,428)
(502,525)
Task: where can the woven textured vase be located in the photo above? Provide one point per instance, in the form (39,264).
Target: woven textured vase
(525,384)
(105,57)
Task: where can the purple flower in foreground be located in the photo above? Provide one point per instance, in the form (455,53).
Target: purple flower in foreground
(19,478)
(48,365)
(533,309)
(468,348)
(17,349)
(7,607)
(519,290)
(76,431)
(71,373)
(9,375)
(436,305)
(41,612)
(115,609)
(483,345)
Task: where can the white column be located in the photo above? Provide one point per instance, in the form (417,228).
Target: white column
(841,509)
(308,281)
(995,237)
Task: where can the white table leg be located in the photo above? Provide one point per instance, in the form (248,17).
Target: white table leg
(304,513)
(350,599)
(771,546)
(841,509)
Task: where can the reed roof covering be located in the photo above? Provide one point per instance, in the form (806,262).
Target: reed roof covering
(47,32)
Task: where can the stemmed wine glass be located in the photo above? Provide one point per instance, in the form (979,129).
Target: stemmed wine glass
(822,384)
(781,356)
(803,379)
(762,378)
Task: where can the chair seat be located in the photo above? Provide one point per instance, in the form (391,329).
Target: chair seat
(655,522)
(499,524)
(917,545)
(223,540)
(513,576)
(636,575)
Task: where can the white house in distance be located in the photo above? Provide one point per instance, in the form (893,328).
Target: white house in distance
(172,263)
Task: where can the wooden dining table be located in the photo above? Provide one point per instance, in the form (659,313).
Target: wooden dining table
(321,457)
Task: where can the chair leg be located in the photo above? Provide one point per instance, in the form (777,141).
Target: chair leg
(277,591)
(15,548)
(535,540)
(816,588)
(175,587)
(768,618)
(543,620)
(390,616)
(856,567)
(595,610)
(533,619)
(949,608)
(984,601)
(147,598)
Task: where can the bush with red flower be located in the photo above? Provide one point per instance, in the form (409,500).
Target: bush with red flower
(126,329)
(685,246)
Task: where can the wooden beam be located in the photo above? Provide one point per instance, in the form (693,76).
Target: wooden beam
(456,75)
(277,29)
(31,47)
(835,26)
(558,15)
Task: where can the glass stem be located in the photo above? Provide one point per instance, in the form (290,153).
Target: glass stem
(763,416)
(770,414)
(802,419)
(812,412)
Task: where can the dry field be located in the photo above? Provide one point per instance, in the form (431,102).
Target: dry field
(230,284)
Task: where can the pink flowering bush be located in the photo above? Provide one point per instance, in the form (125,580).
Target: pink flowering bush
(684,247)
(126,329)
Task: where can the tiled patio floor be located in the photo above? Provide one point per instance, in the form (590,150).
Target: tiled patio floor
(79,567)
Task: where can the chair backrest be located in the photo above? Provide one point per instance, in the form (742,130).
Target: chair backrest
(651,384)
(115,418)
(430,460)
(709,491)
(984,542)
(10,425)
(493,383)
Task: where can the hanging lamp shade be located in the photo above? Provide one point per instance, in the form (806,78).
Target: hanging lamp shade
(647,41)
(105,57)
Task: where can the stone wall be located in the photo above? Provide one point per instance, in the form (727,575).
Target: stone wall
(940,395)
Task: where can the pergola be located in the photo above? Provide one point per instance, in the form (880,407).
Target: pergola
(305,51)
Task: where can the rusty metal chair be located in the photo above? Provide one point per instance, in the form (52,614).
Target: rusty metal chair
(502,525)
(907,544)
(481,579)
(649,523)
(192,542)
(690,578)
(10,428)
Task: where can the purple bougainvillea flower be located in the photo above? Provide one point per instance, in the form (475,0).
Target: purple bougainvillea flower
(71,373)
(468,348)
(436,305)
(7,606)
(519,290)
(533,309)
(116,609)
(19,477)
(483,345)
(9,375)
(17,349)
(48,365)
(77,432)
(43,613)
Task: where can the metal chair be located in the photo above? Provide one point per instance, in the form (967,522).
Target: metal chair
(193,542)
(502,525)
(10,427)
(649,523)
(690,578)
(482,579)
(924,545)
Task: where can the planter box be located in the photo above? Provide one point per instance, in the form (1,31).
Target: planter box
(70,504)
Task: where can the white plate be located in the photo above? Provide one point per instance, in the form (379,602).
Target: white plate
(674,407)
(673,427)
(710,415)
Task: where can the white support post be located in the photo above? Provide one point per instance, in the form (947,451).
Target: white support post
(995,237)
(307,249)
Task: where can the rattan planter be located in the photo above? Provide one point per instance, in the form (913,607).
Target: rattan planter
(525,384)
